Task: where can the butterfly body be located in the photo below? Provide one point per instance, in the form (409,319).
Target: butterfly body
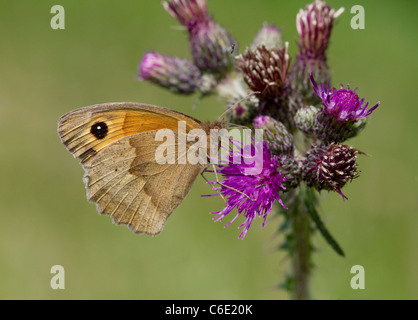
(116,143)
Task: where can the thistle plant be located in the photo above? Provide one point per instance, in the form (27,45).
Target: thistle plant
(304,119)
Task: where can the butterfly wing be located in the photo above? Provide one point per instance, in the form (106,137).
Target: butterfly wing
(116,144)
(87,131)
(127,183)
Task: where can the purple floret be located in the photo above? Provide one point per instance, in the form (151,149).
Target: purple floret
(251,188)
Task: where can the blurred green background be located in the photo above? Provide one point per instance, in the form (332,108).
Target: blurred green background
(46,220)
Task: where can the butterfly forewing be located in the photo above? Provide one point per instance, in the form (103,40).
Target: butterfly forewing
(87,131)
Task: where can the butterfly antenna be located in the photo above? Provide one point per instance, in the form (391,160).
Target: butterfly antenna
(236,126)
(217,190)
(229,187)
(196,102)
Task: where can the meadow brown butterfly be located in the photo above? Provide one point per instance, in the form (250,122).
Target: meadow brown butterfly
(117,147)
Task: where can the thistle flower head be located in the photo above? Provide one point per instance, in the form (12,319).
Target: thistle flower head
(342,116)
(264,122)
(343,104)
(175,74)
(279,139)
(187,12)
(314,26)
(330,167)
(242,111)
(269,35)
(265,70)
(250,188)
(304,119)
(290,170)
(210,45)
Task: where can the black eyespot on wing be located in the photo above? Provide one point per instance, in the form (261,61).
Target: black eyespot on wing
(99,130)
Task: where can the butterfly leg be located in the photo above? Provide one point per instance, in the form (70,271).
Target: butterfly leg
(209,182)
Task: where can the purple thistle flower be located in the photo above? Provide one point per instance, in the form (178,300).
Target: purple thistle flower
(343,104)
(252,194)
(342,116)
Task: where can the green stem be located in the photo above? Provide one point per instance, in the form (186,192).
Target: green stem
(301,257)
(301,220)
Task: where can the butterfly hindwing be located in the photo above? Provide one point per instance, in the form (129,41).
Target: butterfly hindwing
(127,183)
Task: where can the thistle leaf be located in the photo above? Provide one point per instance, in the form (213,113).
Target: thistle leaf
(310,200)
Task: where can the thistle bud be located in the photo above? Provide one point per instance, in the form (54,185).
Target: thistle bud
(210,43)
(265,70)
(178,75)
(269,36)
(289,169)
(330,167)
(328,129)
(275,133)
(211,46)
(304,119)
(242,110)
(187,12)
(314,25)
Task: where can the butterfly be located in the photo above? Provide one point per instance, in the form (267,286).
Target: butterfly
(116,143)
